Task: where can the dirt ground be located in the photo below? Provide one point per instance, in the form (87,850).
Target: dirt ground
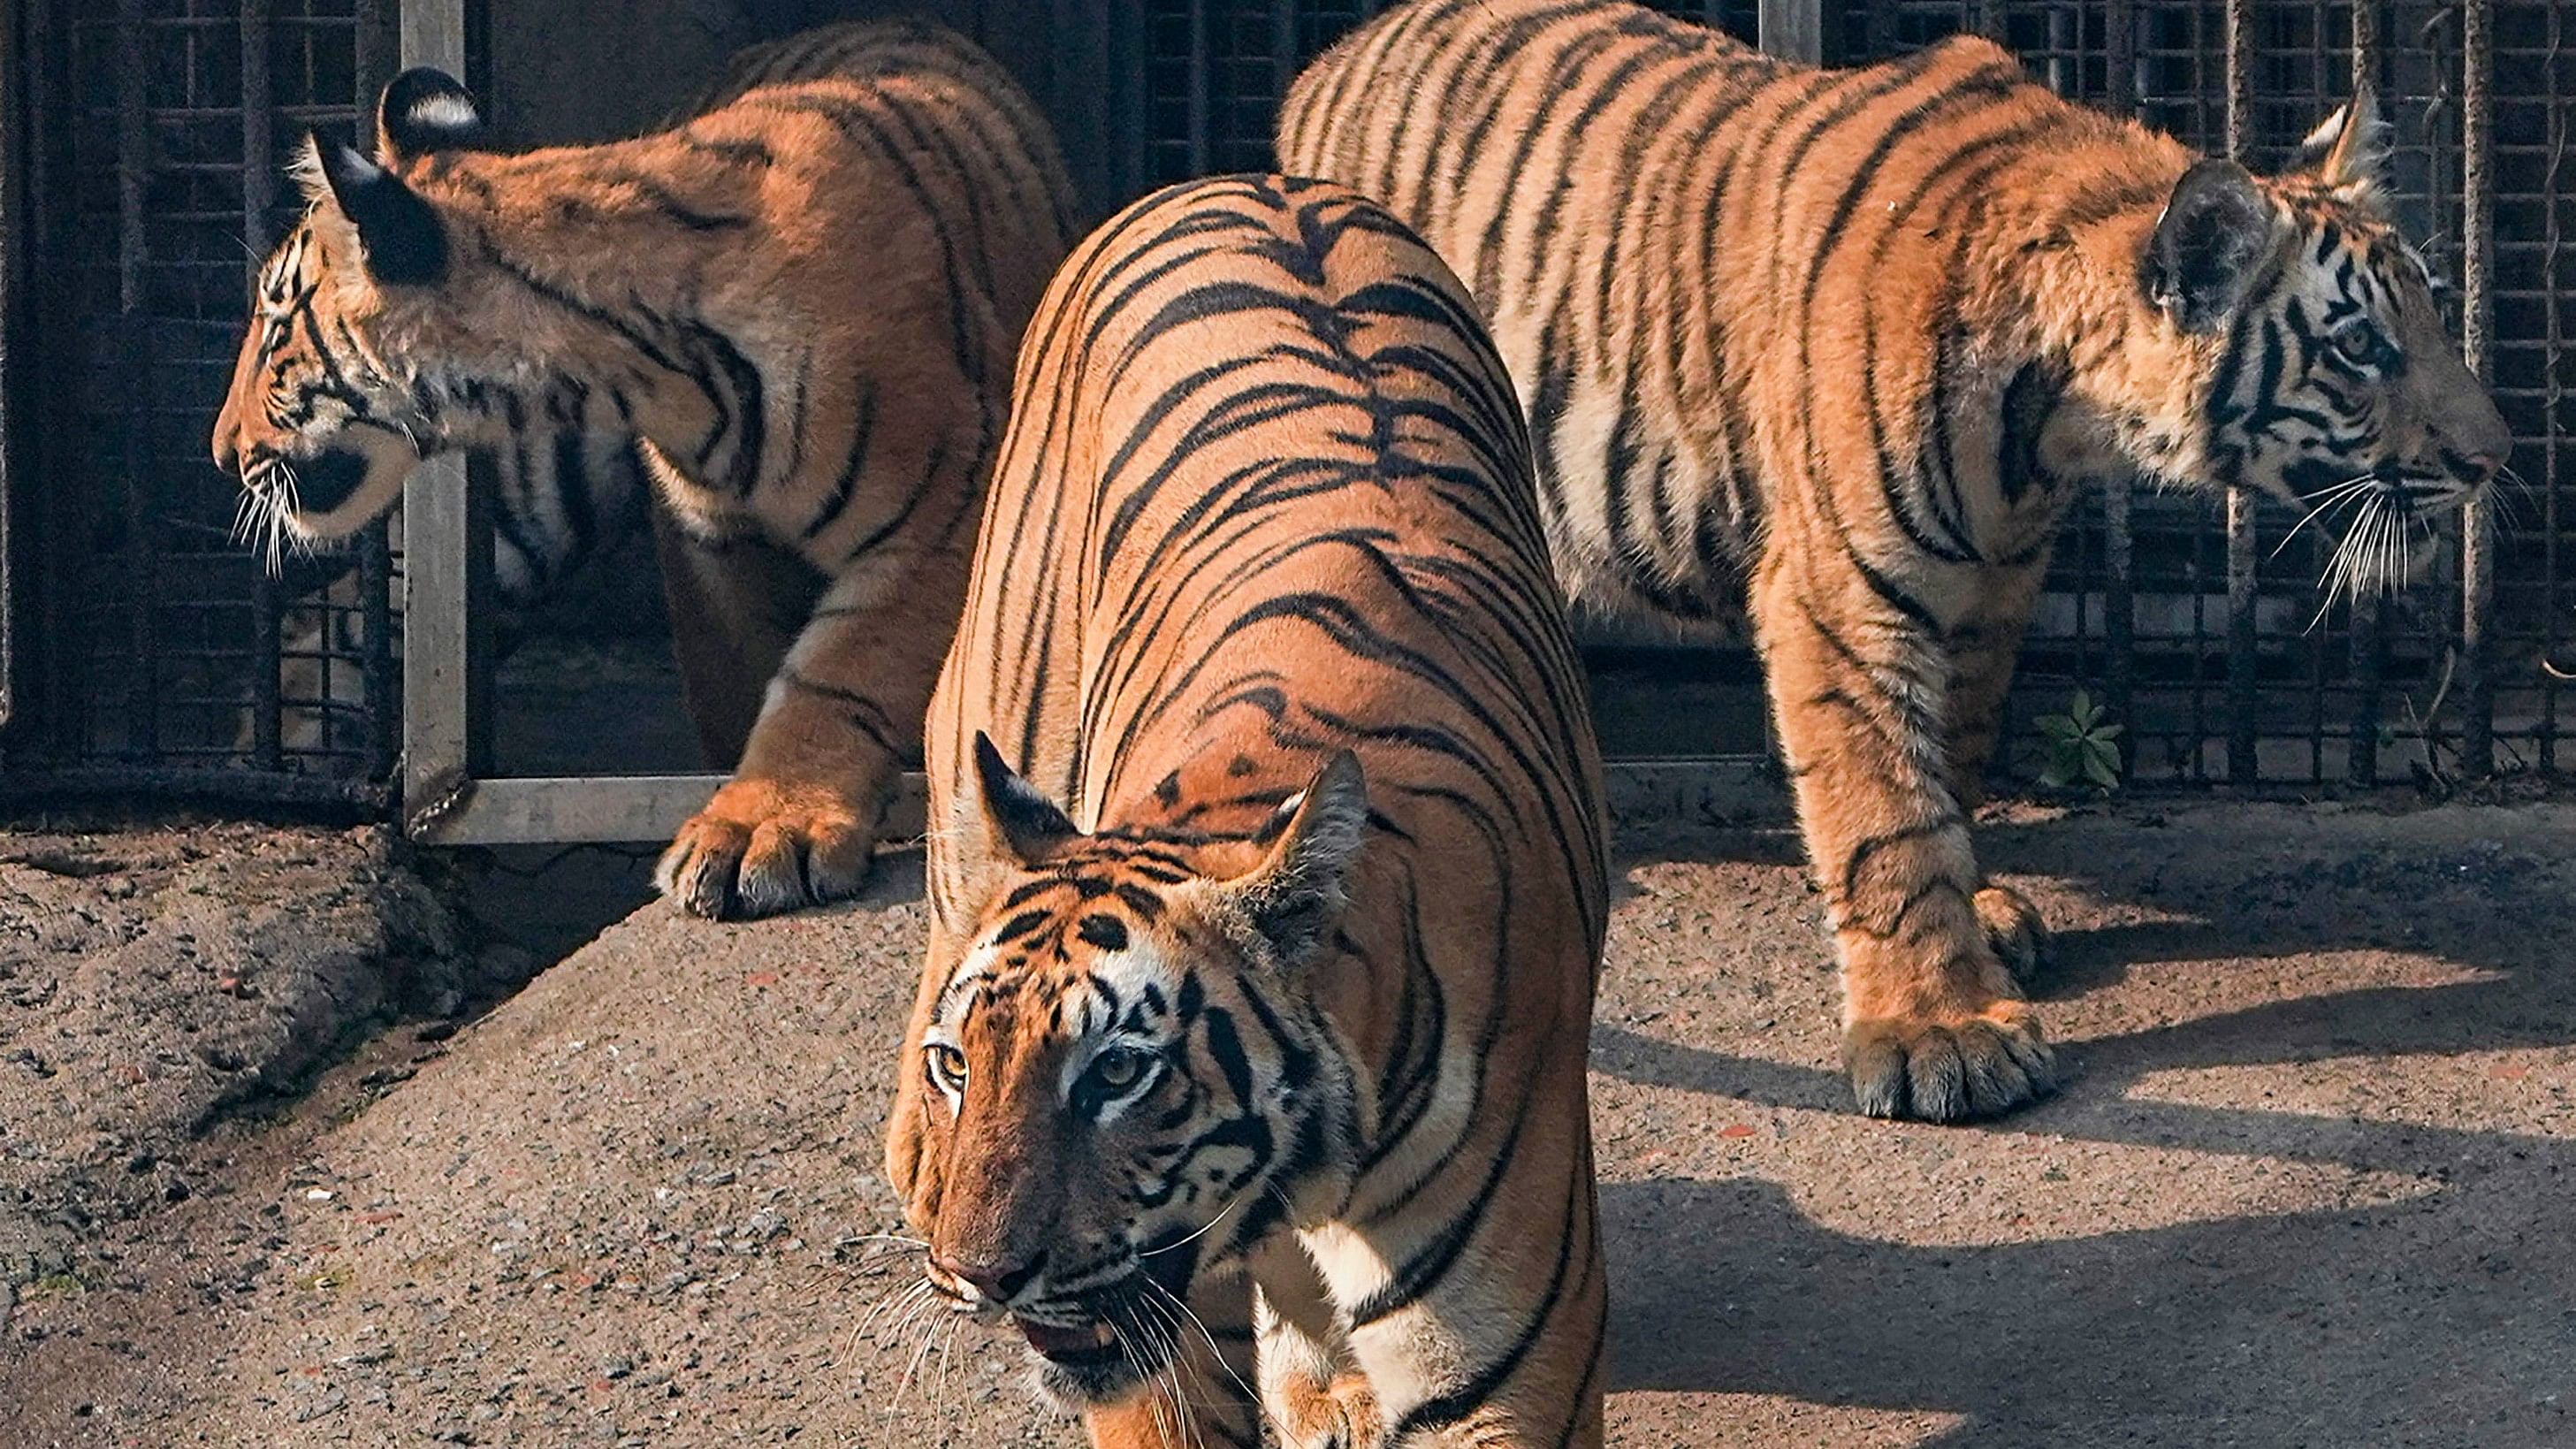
(2311,1182)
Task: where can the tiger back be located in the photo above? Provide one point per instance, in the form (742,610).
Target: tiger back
(1842,344)
(1267,868)
(801,304)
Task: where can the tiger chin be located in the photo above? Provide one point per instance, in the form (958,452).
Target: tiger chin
(700,310)
(1246,1076)
(1839,348)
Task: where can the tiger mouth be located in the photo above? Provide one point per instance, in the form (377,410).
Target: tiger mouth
(1077,1345)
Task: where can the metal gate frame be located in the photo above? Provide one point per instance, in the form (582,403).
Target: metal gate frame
(449,796)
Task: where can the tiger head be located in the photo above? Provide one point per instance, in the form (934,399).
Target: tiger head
(322,422)
(2315,366)
(1125,1082)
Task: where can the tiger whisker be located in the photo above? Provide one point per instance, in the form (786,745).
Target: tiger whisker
(2342,567)
(1194,1237)
(1218,1353)
(2329,497)
(1165,1335)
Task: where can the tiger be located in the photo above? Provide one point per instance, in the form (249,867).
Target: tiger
(801,305)
(569,492)
(1268,882)
(1837,347)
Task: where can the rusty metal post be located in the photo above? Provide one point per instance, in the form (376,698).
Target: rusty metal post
(376,58)
(1795,29)
(2119,565)
(2369,621)
(2553,389)
(2242,698)
(258,190)
(447,558)
(2477,330)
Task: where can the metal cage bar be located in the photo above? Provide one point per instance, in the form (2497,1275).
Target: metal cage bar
(2477,325)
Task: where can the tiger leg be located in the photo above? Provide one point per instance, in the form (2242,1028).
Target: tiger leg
(797,824)
(1933,1025)
(1983,652)
(1315,1392)
(1478,1307)
(735,604)
(1205,1395)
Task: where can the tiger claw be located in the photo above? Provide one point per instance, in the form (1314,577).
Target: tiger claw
(1933,1071)
(763,849)
(2015,931)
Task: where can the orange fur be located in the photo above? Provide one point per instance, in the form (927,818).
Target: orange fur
(1841,345)
(1266,506)
(803,303)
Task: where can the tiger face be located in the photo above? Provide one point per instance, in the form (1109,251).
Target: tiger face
(1125,1083)
(2331,381)
(319,427)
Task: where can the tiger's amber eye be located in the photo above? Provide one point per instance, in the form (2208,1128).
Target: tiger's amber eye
(948,1066)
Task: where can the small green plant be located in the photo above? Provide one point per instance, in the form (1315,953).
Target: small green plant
(2080,745)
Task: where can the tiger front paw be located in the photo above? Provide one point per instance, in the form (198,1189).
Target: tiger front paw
(2015,931)
(1949,1070)
(762,847)
(1341,1414)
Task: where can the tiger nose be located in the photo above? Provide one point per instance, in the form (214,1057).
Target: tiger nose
(228,447)
(2483,440)
(996,1280)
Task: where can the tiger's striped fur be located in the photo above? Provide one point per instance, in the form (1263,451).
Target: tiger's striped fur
(803,305)
(1844,343)
(568,489)
(1289,1001)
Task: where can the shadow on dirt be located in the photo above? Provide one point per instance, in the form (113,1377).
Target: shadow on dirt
(2446,1317)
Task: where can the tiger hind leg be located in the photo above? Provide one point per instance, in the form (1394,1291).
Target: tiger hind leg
(1934,1026)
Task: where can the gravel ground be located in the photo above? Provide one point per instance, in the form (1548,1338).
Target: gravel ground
(153,980)
(2310,1184)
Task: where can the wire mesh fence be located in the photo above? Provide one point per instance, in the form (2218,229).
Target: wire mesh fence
(160,649)
(2200,622)
(169,653)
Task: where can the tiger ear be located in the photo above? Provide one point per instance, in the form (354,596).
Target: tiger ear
(398,231)
(1293,899)
(1021,827)
(2210,245)
(422,111)
(2349,151)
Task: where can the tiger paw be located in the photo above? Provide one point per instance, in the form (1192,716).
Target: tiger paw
(2015,931)
(762,847)
(1340,1415)
(1949,1071)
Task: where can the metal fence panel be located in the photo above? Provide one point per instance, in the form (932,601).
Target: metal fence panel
(151,642)
(159,132)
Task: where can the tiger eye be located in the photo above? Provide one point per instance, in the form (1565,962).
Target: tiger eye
(1118,1070)
(948,1066)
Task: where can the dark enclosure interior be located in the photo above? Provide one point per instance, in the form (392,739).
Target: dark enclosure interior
(152,649)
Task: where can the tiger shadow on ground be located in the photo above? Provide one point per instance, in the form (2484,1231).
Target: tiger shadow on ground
(2453,1305)
(2440,1317)
(2333,1326)
(2358,883)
